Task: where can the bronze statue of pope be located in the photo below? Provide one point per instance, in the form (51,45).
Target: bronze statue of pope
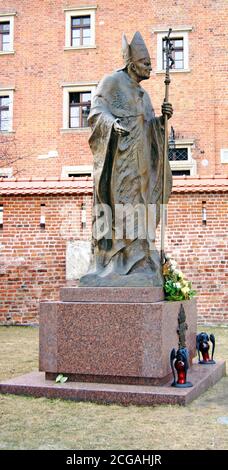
(127,143)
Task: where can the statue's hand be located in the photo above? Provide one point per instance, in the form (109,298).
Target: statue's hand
(167,109)
(120,129)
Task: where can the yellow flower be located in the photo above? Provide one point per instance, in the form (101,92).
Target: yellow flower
(185,290)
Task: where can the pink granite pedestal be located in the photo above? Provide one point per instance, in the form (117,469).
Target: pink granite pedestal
(114,347)
(121,335)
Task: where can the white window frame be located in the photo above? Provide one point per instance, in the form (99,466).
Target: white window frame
(80,169)
(176,33)
(6,172)
(224,155)
(8,92)
(189,164)
(85,11)
(77,88)
(9,17)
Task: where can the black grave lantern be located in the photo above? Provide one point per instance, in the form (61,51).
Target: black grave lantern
(179,361)
(203,346)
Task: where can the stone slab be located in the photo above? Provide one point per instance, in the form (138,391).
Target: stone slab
(112,294)
(35,385)
(78,254)
(130,340)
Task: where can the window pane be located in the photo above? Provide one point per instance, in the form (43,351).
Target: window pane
(4,100)
(5,44)
(86,41)
(74,111)
(178,43)
(178,55)
(74,116)
(5,26)
(85,97)
(4,120)
(74,122)
(75,42)
(74,98)
(75,21)
(86,32)
(179,64)
(75,33)
(85,114)
(86,20)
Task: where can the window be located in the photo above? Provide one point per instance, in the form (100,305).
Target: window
(80,31)
(78,175)
(80,28)
(177,53)
(6,172)
(80,104)
(76,106)
(42,216)
(6,110)
(178,154)
(4,113)
(224,155)
(4,36)
(180,52)
(181,160)
(6,33)
(1,216)
(181,172)
(77,171)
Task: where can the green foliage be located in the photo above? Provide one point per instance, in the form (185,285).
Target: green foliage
(61,379)
(175,284)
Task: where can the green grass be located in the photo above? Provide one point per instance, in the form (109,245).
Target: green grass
(40,423)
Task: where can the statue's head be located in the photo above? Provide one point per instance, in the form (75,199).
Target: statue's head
(136,56)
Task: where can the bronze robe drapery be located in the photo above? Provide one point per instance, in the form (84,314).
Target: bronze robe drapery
(127,170)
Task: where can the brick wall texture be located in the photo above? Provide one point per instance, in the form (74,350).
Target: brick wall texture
(33,259)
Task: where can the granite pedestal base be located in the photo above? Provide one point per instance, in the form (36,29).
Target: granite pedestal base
(114,346)
(118,335)
(35,385)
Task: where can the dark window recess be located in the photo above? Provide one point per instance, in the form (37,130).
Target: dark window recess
(80,104)
(80,31)
(4,36)
(83,216)
(4,113)
(178,154)
(177,53)
(181,172)
(79,175)
(1,216)
(42,216)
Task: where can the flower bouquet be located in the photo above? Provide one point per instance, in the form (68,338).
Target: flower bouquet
(175,284)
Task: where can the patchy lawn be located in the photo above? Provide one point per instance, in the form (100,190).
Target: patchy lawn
(40,423)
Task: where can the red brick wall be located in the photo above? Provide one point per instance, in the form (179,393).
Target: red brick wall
(40,66)
(202,250)
(32,260)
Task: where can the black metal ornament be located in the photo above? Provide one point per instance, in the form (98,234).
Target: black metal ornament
(203,346)
(179,361)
